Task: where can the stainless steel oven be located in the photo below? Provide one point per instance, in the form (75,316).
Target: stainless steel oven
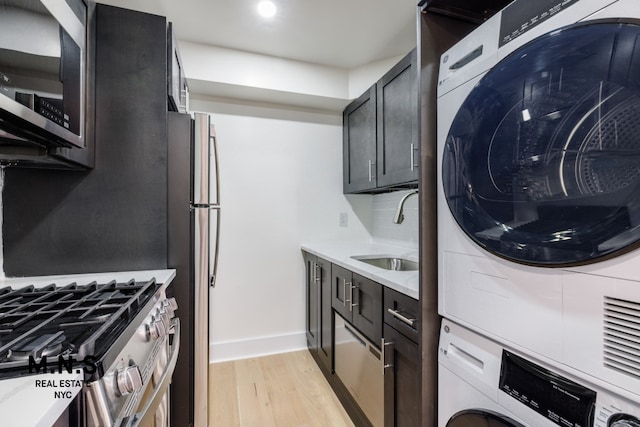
(124,335)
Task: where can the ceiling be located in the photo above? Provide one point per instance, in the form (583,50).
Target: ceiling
(337,33)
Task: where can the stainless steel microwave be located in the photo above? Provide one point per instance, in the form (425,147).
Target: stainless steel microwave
(42,74)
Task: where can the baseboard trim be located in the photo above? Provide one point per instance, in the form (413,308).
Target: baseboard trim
(256,347)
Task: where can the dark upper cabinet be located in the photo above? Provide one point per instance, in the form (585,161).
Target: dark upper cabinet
(380,133)
(359,143)
(318,310)
(359,301)
(397,136)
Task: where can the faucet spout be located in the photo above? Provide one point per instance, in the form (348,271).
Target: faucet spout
(399,216)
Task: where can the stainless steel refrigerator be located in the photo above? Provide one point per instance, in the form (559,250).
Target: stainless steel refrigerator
(193,239)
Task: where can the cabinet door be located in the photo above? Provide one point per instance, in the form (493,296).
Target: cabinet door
(341,290)
(401,380)
(312,301)
(397,121)
(325,336)
(359,143)
(367,307)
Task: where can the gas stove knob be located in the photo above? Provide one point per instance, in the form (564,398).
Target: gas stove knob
(129,379)
(162,314)
(169,306)
(156,328)
(170,303)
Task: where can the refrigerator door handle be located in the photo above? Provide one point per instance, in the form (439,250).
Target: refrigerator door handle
(201,160)
(214,270)
(214,165)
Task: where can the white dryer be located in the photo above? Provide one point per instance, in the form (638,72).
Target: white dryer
(482,383)
(539,184)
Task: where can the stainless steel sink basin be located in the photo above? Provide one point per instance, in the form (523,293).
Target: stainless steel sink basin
(388,263)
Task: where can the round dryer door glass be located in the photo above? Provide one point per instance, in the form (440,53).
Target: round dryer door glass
(480,418)
(542,161)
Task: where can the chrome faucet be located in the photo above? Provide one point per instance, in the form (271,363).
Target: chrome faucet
(399,216)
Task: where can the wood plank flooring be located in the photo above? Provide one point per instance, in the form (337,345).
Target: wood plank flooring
(283,390)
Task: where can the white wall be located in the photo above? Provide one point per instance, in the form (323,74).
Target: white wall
(281,184)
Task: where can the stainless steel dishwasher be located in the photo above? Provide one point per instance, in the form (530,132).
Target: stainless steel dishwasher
(358,364)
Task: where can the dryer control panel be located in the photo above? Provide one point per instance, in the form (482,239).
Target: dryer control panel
(559,399)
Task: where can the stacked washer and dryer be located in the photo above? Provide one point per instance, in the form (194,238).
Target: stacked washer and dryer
(539,218)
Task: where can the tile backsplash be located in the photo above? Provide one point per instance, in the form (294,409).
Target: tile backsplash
(383,228)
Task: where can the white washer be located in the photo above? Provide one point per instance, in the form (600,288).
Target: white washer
(483,383)
(539,198)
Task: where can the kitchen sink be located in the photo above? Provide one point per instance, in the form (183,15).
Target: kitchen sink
(388,263)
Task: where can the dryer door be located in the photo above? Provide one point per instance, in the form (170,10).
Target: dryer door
(542,161)
(481,418)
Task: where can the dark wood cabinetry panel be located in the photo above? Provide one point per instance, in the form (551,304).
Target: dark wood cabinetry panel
(402,313)
(312,301)
(380,133)
(340,290)
(397,142)
(359,143)
(367,308)
(402,379)
(402,382)
(359,301)
(319,320)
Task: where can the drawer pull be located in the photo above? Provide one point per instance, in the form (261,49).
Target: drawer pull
(397,315)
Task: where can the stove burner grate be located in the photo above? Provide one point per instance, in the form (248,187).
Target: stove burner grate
(71,321)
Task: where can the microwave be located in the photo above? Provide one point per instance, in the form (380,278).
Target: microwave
(42,76)
(177,89)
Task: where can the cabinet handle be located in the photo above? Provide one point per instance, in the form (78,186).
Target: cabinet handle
(397,315)
(351,288)
(372,176)
(385,365)
(316,276)
(344,293)
(413,150)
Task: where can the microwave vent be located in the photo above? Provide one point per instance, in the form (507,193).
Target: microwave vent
(622,336)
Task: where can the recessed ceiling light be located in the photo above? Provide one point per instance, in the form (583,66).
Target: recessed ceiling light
(266,9)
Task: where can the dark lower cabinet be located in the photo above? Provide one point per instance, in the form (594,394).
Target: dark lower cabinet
(402,397)
(402,361)
(319,320)
(376,312)
(359,301)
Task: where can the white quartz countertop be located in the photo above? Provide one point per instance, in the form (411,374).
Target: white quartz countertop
(39,400)
(161,276)
(340,252)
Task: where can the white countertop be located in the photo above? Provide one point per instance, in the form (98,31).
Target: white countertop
(39,400)
(161,276)
(340,252)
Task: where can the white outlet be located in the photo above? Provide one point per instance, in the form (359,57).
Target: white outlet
(343,219)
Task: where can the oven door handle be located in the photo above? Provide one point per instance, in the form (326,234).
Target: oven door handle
(160,388)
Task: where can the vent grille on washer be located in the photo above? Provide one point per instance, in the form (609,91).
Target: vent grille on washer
(622,336)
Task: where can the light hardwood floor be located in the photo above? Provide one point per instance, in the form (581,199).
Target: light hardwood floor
(284,390)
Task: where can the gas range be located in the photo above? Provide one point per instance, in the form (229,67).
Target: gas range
(119,334)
